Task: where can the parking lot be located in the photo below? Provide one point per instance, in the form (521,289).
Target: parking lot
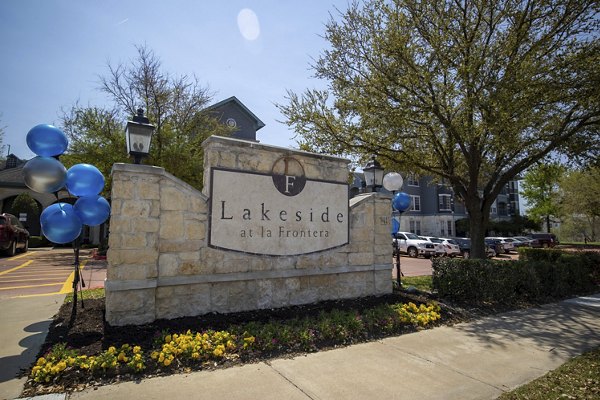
(44,271)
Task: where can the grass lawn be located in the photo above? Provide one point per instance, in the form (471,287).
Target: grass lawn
(87,294)
(577,379)
(422,283)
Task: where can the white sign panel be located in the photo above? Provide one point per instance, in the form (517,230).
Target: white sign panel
(277,215)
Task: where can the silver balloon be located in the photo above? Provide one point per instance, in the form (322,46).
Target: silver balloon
(44,174)
(393,181)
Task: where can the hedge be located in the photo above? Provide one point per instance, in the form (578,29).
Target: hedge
(38,241)
(538,276)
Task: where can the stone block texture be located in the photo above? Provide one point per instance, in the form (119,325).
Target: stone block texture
(160,265)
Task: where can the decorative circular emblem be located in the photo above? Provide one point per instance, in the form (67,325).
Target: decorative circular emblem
(288,176)
(230,122)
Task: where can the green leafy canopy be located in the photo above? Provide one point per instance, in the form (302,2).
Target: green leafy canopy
(474,92)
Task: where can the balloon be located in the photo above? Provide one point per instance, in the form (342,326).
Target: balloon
(52,209)
(47,140)
(92,210)
(84,180)
(61,224)
(395,225)
(393,181)
(401,201)
(44,174)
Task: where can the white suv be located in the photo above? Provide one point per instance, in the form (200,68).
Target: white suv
(451,247)
(409,243)
(508,243)
(440,251)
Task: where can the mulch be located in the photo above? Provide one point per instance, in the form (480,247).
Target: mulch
(84,329)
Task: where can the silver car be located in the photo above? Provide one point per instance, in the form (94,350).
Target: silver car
(451,246)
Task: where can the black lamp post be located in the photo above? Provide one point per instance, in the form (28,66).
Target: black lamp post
(373,174)
(139,134)
(393,182)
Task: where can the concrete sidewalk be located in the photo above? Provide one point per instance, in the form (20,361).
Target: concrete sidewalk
(477,360)
(24,324)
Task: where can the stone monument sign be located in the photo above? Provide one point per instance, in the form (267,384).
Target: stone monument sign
(272,227)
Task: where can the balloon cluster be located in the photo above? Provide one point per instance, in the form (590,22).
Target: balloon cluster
(63,222)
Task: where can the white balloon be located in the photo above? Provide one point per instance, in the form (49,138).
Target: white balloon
(393,181)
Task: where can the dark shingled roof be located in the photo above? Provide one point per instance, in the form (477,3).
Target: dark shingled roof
(12,176)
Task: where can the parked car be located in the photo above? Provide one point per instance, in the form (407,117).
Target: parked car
(451,246)
(522,241)
(13,235)
(506,242)
(543,240)
(440,251)
(465,248)
(409,243)
(496,245)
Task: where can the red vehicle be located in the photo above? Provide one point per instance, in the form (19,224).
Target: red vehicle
(13,235)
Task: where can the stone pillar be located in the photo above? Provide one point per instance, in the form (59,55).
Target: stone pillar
(133,244)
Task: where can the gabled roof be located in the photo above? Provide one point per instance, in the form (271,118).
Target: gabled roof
(233,99)
(12,176)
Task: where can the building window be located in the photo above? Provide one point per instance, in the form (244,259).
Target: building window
(412,180)
(502,209)
(415,204)
(445,202)
(450,228)
(415,226)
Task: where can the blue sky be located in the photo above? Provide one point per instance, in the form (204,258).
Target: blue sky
(54,50)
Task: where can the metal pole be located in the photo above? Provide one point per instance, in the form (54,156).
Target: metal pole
(78,279)
(398,270)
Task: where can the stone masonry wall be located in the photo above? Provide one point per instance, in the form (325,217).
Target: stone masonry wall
(160,265)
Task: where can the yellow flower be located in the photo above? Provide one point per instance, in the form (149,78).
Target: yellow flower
(137,349)
(167,338)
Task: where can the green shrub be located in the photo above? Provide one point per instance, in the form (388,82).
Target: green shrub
(531,254)
(543,275)
(38,241)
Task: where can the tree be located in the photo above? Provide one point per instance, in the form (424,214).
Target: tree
(25,204)
(579,200)
(175,105)
(97,137)
(540,189)
(473,92)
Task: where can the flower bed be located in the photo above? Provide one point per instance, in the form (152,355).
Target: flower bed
(63,366)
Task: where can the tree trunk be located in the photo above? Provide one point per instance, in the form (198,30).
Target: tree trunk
(548,223)
(479,222)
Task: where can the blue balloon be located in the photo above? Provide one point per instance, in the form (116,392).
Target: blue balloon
(92,210)
(61,225)
(52,209)
(401,201)
(84,180)
(395,225)
(47,140)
